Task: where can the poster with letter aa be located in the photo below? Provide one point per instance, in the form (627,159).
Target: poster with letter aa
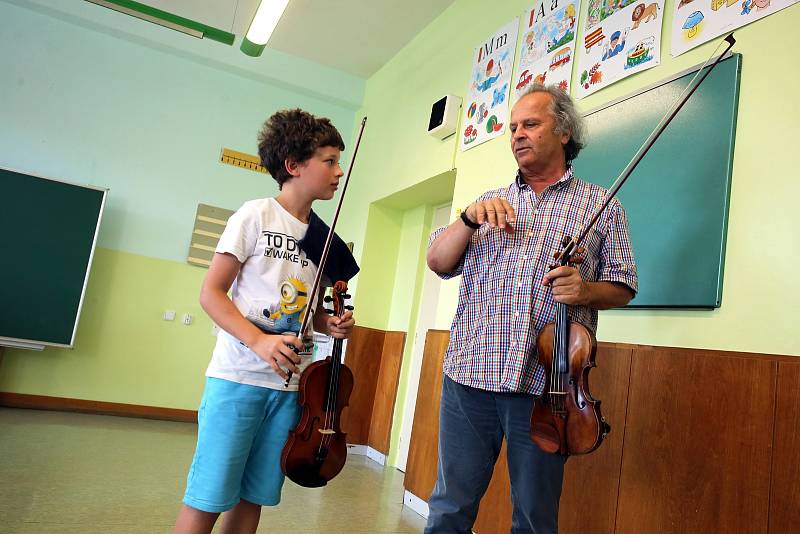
(548,45)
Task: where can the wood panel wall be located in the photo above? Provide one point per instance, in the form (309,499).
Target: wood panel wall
(701,441)
(375,357)
(422,450)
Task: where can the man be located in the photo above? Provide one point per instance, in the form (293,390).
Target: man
(503,246)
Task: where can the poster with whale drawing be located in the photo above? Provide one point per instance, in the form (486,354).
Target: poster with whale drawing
(485,111)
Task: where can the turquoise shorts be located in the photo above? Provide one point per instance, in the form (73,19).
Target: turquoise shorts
(241,432)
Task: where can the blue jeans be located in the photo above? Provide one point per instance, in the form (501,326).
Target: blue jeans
(472,424)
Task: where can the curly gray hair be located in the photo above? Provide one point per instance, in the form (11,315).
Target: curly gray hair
(567,118)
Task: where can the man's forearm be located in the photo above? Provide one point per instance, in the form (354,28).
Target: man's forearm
(607,295)
(448,247)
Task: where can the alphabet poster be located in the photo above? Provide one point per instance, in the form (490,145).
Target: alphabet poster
(622,37)
(548,45)
(698,21)
(485,111)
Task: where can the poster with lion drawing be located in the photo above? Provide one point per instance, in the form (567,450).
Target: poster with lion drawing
(622,37)
(695,22)
(548,45)
(485,109)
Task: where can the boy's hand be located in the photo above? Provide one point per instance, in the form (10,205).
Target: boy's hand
(341,327)
(277,351)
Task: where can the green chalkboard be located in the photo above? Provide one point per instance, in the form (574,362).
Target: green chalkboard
(48,231)
(677,198)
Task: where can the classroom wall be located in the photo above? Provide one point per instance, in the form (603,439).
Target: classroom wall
(397,153)
(96,97)
(760,284)
(54,110)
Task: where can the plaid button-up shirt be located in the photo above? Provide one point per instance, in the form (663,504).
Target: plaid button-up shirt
(502,304)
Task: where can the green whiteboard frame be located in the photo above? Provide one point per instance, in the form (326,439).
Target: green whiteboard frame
(65,300)
(677,199)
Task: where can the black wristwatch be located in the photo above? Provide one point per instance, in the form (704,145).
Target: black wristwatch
(467,222)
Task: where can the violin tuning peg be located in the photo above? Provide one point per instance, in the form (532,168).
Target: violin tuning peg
(328,299)
(328,311)
(565,241)
(349,308)
(580,250)
(345,296)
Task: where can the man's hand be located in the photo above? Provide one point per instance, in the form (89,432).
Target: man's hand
(495,211)
(340,327)
(277,351)
(567,285)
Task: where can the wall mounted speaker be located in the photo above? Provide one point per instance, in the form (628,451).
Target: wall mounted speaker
(444,116)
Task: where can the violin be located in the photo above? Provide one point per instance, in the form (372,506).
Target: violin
(566,419)
(316,450)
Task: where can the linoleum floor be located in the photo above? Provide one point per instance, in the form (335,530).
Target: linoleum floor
(76,473)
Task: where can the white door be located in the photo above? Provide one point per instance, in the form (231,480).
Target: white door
(425,320)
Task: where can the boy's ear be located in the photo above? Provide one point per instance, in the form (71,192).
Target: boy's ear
(292,167)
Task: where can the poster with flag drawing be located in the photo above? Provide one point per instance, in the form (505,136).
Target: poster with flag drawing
(621,37)
(548,45)
(695,22)
(485,111)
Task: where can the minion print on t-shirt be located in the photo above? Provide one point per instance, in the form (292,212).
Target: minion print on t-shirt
(294,301)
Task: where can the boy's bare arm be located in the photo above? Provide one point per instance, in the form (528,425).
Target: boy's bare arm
(273,349)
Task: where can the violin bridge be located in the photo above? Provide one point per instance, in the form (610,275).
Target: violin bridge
(326,431)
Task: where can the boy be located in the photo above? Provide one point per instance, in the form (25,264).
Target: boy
(247,410)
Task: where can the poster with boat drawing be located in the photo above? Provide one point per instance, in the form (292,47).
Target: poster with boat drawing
(695,22)
(548,45)
(485,111)
(622,37)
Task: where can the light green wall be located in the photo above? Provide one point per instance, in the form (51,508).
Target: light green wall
(92,96)
(124,351)
(139,113)
(759,272)
(96,107)
(760,284)
(408,270)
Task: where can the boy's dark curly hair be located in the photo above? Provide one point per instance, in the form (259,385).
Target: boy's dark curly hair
(293,134)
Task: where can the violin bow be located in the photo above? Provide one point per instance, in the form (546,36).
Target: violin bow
(573,244)
(318,278)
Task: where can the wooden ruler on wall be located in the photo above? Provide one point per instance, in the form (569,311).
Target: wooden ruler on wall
(242,160)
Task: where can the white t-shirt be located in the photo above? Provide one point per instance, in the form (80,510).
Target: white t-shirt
(271,290)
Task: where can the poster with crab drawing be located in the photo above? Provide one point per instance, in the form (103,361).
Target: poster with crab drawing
(695,22)
(548,45)
(485,110)
(622,37)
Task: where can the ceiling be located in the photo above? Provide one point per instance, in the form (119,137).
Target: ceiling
(354,36)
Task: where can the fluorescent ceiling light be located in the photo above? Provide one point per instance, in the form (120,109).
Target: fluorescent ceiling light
(267,15)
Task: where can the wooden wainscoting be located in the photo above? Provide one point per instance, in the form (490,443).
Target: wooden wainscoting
(784,503)
(422,450)
(374,356)
(64,404)
(701,441)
